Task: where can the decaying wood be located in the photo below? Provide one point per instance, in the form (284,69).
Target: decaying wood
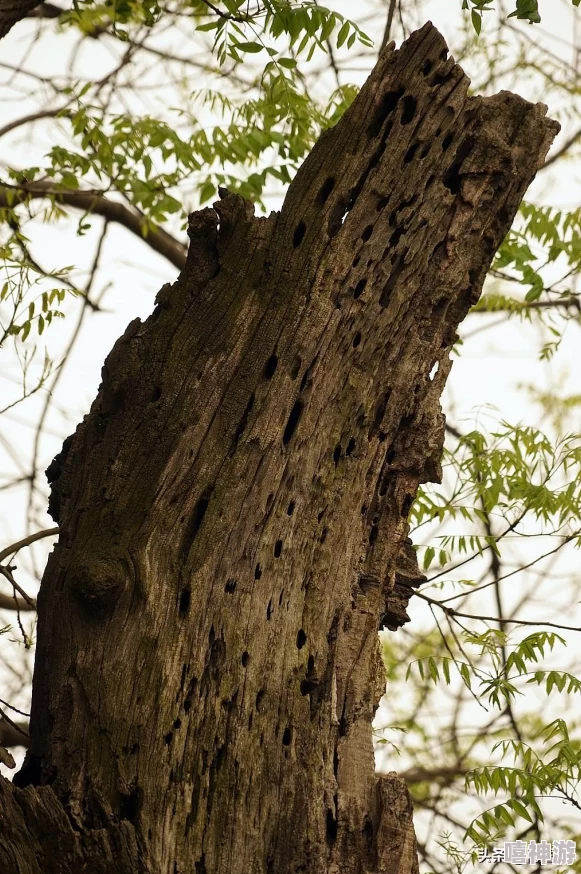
(13,11)
(233,507)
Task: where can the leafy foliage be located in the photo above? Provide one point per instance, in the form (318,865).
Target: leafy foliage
(526,10)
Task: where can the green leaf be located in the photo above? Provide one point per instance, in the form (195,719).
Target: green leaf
(429,557)
(250,47)
(343,34)
(211,25)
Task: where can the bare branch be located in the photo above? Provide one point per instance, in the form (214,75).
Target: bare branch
(563,150)
(429,775)
(387,31)
(19,731)
(9,602)
(15,735)
(453,613)
(26,119)
(7,572)
(26,541)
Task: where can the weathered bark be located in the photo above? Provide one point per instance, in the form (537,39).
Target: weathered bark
(233,507)
(13,11)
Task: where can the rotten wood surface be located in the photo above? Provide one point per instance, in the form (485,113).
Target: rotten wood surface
(233,507)
(13,11)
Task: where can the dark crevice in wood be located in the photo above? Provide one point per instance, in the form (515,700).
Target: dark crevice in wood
(130,805)
(299,234)
(270,366)
(395,238)
(380,411)
(242,424)
(368,583)
(410,104)
(296,367)
(447,142)
(308,373)
(411,152)
(452,178)
(438,79)
(325,190)
(185,600)
(331,828)
(397,262)
(196,520)
(293,421)
(387,105)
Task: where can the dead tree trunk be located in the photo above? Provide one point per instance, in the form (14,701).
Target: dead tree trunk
(233,506)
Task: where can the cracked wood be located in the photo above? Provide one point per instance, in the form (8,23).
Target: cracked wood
(233,507)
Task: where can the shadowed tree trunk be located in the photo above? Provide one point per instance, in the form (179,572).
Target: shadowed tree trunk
(13,11)
(233,509)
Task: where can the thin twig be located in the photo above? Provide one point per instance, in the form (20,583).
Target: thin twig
(387,31)
(6,572)
(26,541)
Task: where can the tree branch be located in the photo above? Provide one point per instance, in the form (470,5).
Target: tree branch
(429,775)
(387,31)
(46,10)
(25,119)
(157,239)
(240,19)
(7,572)
(13,734)
(453,613)
(26,541)
(563,150)
(8,602)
